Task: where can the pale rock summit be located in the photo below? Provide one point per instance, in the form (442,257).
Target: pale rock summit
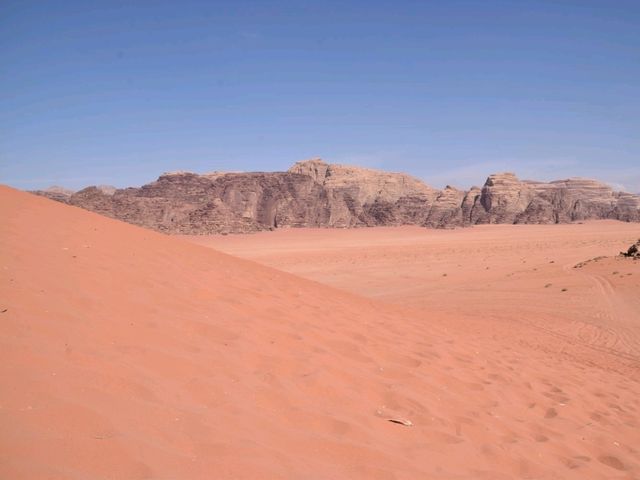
(60,190)
(367,185)
(56,192)
(362,196)
(107,189)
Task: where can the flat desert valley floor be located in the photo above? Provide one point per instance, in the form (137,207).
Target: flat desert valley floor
(545,278)
(386,353)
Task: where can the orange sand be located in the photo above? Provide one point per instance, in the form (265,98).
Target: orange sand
(503,274)
(128,354)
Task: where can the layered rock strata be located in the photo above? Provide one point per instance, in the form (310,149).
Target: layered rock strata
(313,193)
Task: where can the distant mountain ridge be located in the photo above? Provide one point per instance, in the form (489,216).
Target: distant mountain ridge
(314,193)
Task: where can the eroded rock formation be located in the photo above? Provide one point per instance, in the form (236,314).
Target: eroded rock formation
(313,193)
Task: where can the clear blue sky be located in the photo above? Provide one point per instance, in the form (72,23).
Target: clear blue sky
(117,92)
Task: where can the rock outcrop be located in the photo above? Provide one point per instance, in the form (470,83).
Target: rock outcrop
(633,251)
(446,211)
(58,193)
(364,197)
(313,193)
(505,199)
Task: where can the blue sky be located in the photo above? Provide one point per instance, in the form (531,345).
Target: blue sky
(450,91)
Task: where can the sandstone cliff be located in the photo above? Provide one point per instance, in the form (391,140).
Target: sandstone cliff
(313,193)
(505,199)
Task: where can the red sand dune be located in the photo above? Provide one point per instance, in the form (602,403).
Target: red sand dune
(128,354)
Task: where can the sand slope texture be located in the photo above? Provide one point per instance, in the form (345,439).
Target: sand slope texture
(127,354)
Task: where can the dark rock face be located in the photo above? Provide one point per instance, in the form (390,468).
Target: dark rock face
(191,204)
(633,251)
(316,194)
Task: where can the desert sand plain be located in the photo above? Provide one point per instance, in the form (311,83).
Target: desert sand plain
(493,278)
(404,353)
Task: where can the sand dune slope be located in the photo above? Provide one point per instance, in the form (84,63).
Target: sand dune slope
(127,354)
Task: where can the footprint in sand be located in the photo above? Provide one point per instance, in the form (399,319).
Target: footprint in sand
(611,461)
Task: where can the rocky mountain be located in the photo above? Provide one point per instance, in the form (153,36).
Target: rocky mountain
(313,193)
